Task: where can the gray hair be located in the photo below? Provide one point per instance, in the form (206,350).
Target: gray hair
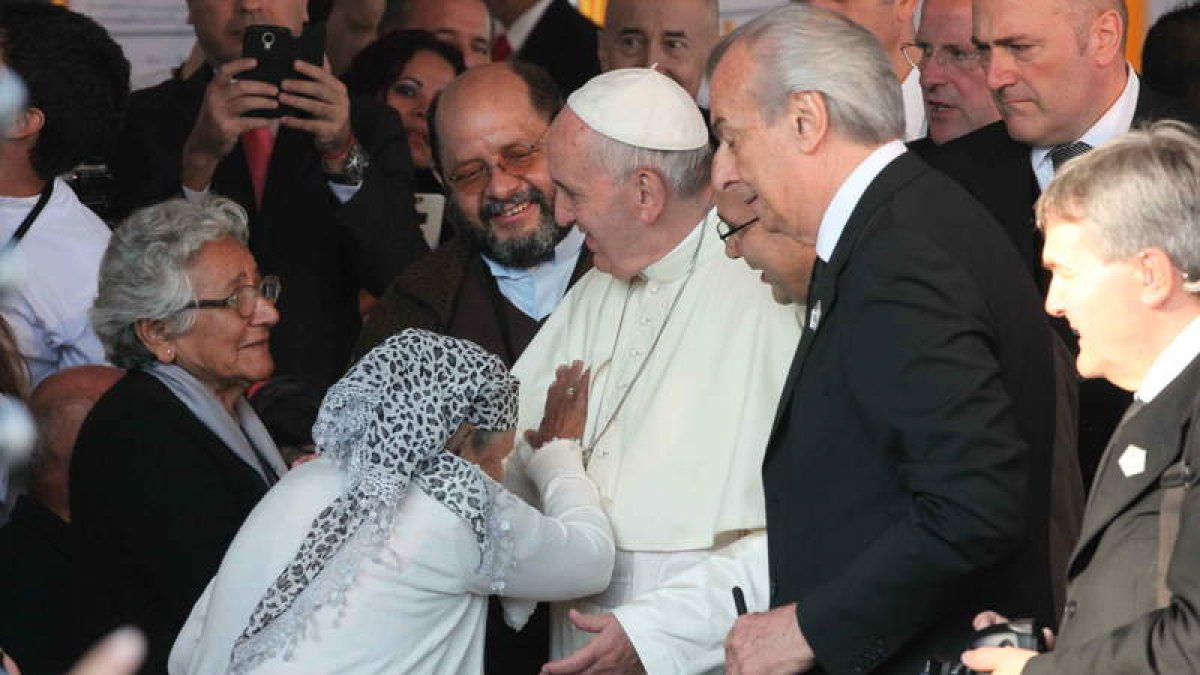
(1139,191)
(143,274)
(686,172)
(799,47)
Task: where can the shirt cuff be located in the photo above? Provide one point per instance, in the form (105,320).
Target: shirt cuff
(556,457)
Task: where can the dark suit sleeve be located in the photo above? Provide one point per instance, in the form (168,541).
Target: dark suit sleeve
(146,159)
(381,218)
(921,370)
(153,514)
(1164,641)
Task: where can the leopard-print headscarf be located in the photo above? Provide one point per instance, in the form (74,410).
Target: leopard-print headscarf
(386,424)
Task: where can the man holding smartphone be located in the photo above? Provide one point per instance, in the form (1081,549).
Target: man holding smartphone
(327,181)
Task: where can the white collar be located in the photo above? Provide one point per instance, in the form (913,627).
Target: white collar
(675,265)
(1170,362)
(914,106)
(520,29)
(1115,121)
(840,208)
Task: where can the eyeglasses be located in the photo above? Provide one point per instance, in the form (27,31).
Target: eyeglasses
(515,160)
(919,53)
(726,229)
(244,299)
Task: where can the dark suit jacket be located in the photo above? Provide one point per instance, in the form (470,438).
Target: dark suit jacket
(1113,622)
(564,43)
(996,169)
(323,250)
(37,557)
(156,497)
(907,474)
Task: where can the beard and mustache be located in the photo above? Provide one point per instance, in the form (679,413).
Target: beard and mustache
(522,252)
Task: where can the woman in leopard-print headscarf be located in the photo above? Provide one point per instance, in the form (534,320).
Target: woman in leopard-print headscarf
(379,556)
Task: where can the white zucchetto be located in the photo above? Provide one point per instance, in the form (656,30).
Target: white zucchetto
(640,107)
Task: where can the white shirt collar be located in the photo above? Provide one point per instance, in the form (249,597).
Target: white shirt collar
(914,106)
(675,265)
(837,214)
(1170,362)
(1116,121)
(520,29)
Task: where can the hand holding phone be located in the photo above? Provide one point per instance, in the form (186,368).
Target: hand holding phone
(275,51)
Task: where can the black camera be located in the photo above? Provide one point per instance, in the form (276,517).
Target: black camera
(1021,633)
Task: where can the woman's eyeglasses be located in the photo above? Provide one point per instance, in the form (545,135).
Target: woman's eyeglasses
(244,299)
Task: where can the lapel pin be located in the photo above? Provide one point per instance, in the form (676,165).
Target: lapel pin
(814,317)
(1132,461)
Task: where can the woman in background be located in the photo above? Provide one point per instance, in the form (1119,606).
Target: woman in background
(407,69)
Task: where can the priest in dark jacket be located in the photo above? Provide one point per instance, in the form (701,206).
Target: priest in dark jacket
(511,264)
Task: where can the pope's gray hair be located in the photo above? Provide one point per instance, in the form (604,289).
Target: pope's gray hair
(1142,190)
(686,172)
(799,47)
(144,272)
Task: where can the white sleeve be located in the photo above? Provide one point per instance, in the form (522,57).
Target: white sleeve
(180,661)
(566,553)
(681,626)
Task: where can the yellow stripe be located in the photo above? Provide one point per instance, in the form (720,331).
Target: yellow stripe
(594,10)
(1136,31)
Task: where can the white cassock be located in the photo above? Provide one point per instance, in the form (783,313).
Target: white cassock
(679,465)
(419,606)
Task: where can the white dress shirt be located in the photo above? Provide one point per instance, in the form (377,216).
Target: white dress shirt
(537,290)
(1114,122)
(1167,366)
(846,199)
(421,605)
(60,260)
(915,123)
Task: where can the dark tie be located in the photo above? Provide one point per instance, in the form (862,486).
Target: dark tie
(501,48)
(813,280)
(1061,154)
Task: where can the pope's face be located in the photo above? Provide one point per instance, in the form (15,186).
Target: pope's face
(594,201)
(1097,297)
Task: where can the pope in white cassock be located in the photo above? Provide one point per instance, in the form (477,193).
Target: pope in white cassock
(688,355)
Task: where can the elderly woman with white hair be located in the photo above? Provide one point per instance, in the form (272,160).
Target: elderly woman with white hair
(172,458)
(379,556)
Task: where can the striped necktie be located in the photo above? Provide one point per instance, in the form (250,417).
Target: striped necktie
(1061,154)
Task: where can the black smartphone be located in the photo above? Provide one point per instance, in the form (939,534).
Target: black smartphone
(276,49)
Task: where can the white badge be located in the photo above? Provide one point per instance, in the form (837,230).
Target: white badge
(814,317)
(1132,461)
